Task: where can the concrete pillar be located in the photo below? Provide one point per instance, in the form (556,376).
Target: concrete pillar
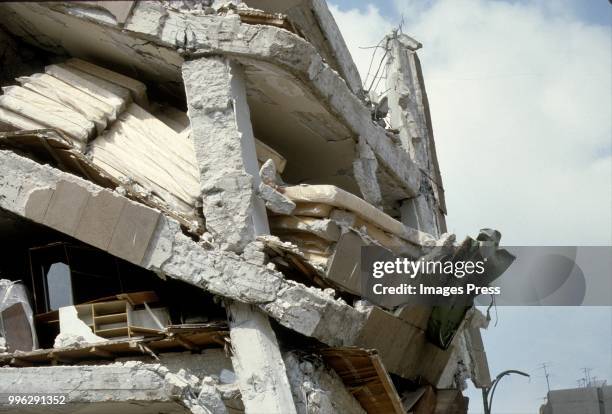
(365,168)
(225,149)
(223,138)
(409,115)
(262,377)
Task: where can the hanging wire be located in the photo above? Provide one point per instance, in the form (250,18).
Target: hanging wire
(378,69)
(383,76)
(372,59)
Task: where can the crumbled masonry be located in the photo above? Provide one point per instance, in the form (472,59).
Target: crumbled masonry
(185,190)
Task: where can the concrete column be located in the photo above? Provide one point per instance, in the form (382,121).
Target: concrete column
(365,168)
(223,138)
(409,115)
(225,149)
(262,377)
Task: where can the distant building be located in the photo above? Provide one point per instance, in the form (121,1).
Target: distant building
(589,400)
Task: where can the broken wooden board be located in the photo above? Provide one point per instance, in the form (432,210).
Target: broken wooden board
(365,377)
(209,335)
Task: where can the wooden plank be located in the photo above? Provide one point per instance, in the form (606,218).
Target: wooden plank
(364,375)
(207,335)
(102,352)
(387,383)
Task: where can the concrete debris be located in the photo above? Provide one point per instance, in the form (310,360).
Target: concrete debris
(231,146)
(275,201)
(73,331)
(209,400)
(127,387)
(268,173)
(316,388)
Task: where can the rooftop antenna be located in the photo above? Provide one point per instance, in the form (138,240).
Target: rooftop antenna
(544,367)
(587,375)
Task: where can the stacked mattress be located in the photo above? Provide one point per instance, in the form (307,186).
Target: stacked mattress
(103,115)
(330,226)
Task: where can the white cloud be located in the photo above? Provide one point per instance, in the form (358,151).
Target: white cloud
(520,100)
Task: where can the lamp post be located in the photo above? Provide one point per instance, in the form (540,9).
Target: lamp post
(487,392)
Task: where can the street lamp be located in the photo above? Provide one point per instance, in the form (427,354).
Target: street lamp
(487,392)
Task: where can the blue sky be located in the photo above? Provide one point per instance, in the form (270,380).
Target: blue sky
(520,100)
(590,11)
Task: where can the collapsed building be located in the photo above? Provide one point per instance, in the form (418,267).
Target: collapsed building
(185,190)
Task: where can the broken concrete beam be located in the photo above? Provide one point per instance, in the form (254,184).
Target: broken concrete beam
(262,377)
(267,44)
(410,116)
(27,188)
(48,196)
(224,144)
(137,89)
(133,387)
(315,313)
